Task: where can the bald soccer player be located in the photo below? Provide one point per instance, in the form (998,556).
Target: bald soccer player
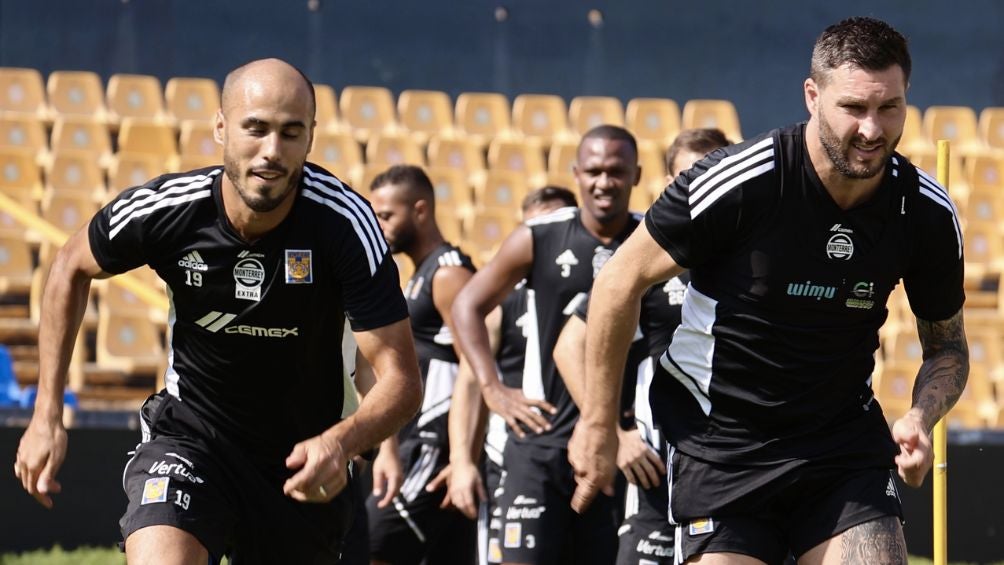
(244,453)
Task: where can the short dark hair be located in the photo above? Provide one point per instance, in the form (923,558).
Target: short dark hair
(700,140)
(549,194)
(610,132)
(864,42)
(412,177)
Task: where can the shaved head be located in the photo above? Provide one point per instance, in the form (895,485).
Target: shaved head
(265,72)
(266,127)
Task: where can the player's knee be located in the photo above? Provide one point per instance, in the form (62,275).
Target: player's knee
(164,545)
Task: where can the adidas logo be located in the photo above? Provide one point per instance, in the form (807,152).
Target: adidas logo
(193,261)
(890,489)
(567,258)
(566,261)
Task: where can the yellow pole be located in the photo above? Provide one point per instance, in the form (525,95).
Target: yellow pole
(55,235)
(940,434)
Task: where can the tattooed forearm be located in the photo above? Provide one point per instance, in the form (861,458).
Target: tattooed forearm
(943,375)
(879,542)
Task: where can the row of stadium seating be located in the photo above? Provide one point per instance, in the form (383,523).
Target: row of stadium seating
(121,355)
(61,166)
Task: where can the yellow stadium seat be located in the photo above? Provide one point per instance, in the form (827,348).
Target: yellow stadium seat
(985,172)
(894,389)
(525,157)
(653,173)
(709,113)
(74,133)
(76,93)
(985,337)
(191,98)
(340,154)
(424,113)
(903,348)
(653,119)
(460,153)
(957,124)
(486,231)
(984,253)
(326,112)
(991,127)
(562,157)
(147,136)
(131,344)
(133,169)
(25,132)
(16,267)
(587,112)
(450,226)
(68,211)
(198,139)
(914,141)
(454,196)
(368,111)
(134,96)
(118,300)
(19,173)
(193,162)
(75,171)
(985,205)
(393,149)
(501,190)
(22,92)
(540,116)
(370,173)
(483,116)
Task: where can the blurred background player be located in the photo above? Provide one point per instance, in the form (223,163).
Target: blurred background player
(645,536)
(507,333)
(558,254)
(410,526)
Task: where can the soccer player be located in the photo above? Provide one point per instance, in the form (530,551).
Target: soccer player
(507,335)
(558,254)
(645,536)
(794,240)
(411,526)
(245,452)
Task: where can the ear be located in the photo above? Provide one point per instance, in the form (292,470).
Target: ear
(811,96)
(219,126)
(637,175)
(421,209)
(310,136)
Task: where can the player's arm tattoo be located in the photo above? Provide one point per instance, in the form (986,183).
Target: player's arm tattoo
(943,375)
(871,543)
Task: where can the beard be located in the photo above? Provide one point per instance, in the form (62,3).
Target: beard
(259,202)
(838,154)
(404,240)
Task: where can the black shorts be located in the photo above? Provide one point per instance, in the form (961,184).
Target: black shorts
(772,511)
(413,527)
(491,548)
(538,523)
(646,537)
(212,490)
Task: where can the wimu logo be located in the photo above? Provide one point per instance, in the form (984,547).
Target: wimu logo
(810,290)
